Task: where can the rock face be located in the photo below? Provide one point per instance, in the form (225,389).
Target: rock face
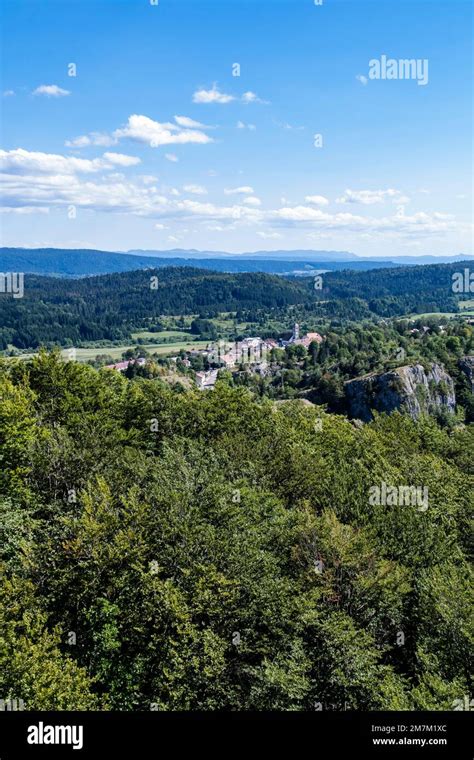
(407,389)
(466,364)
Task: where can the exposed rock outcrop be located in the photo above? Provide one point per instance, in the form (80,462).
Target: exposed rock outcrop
(466,364)
(408,389)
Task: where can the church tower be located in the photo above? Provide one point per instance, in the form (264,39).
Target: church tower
(296,331)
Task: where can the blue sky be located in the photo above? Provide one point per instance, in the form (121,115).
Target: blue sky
(156,144)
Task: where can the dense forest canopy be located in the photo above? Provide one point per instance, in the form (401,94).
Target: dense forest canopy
(108,307)
(185,550)
(414,289)
(72,311)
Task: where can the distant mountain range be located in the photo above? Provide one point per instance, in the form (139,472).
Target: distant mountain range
(301,255)
(306,255)
(63,262)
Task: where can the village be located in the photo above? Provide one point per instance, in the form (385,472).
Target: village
(254,353)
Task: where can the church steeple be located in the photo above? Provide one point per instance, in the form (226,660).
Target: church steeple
(296,331)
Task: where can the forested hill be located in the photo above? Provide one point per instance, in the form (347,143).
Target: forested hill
(394,292)
(109,307)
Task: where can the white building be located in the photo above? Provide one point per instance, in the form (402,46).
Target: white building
(205,380)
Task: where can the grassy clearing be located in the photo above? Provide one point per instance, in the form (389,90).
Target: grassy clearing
(85,354)
(445,314)
(145,335)
(172,349)
(425,315)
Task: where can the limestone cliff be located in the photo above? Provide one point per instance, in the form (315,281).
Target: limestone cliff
(409,389)
(466,364)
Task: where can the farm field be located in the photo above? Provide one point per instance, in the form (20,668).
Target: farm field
(84,354)
(466,309)
(163,334)
(446,314)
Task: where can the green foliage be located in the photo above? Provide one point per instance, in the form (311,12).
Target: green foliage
(32,667)
(110,307)
(219,551)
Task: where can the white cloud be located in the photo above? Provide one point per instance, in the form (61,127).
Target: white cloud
(34,181)
(217,228)
(78,142)
(243,125)
(24,210)
(154,133)
(148,179)
(213,95)
(252,97)
(51,91)
(172,157)
(185,121)
(252,200)
(371,197)
(287,126)
(120,159)
(93,138)
(20,161)
(8,93)
(160,226)
(362,79)
(188,208)
(195,189)
(269,235)
(244,190)
(317,200)
(398,224)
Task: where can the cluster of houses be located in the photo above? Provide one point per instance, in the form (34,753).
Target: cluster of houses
(305,340)
(122,366)
(252,351)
